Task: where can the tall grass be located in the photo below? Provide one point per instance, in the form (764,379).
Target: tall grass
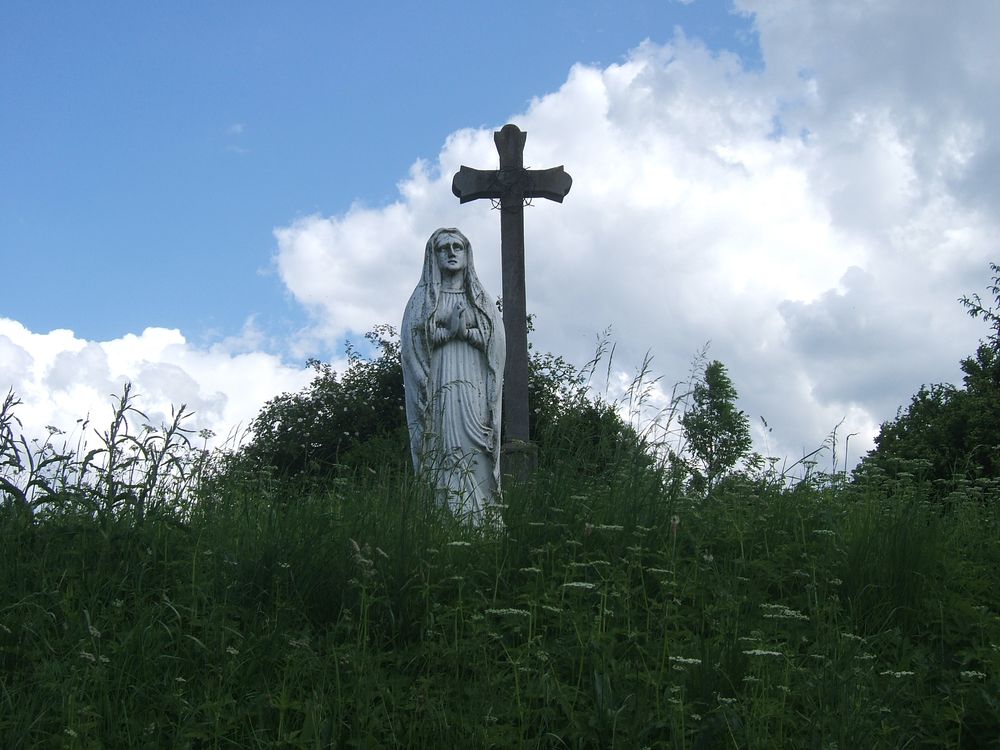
(147,601)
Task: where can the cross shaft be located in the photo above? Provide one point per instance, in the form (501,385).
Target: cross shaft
(511,185)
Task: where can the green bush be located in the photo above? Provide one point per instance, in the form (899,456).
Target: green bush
(358,419)
(948,436)
(718,434)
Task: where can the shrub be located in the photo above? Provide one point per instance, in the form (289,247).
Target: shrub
(718,434)
(948,435)
(358,419)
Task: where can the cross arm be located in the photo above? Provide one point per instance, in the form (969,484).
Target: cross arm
(471,184)
(552,183)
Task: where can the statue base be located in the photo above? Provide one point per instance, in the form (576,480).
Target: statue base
(518,460)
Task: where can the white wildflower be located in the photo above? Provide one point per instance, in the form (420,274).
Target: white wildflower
(458,544)
(781,612)
(685,660)
(897,675)
(508,611)
(973,674)
(762,652)
(579,585)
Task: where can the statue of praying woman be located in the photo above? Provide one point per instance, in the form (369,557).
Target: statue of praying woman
(453,359)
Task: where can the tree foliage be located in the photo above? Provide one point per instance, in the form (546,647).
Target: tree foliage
(569,422)
(717,432)
(358,418)
(949,434)
(354,418)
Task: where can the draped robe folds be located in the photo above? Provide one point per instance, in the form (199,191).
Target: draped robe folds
(453,387)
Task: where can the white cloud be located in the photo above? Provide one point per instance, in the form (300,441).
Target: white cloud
(815,220)
(62,379)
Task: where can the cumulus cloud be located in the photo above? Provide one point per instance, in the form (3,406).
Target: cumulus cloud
(815,220)
(62,379)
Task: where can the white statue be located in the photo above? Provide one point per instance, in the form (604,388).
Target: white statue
(453,359)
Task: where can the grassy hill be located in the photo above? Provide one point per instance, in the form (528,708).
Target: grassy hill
(153,597)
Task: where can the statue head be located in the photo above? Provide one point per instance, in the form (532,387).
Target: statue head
(449,251)
(452,253)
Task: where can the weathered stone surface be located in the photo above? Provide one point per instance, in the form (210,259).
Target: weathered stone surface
(453,349)
(511,185)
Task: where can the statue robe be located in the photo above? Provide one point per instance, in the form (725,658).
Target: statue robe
(453,391)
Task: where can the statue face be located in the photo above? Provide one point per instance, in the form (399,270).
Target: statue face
(451,254)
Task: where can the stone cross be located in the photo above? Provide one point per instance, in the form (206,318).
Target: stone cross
(512,184)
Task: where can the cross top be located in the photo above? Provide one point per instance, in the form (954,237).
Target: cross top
(512,181)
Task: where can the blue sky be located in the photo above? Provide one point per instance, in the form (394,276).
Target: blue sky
(150,149)
(196,197)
